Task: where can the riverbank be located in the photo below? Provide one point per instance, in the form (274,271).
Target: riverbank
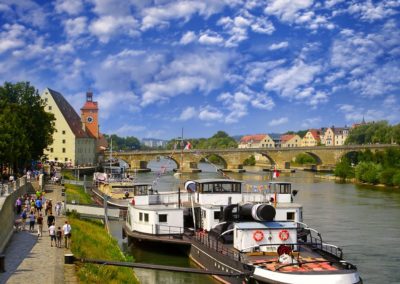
(91,240)
(353,180)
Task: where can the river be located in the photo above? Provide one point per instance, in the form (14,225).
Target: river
(363,220)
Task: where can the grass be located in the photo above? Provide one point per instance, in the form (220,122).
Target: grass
(77,193)
(90,240)
(68,174)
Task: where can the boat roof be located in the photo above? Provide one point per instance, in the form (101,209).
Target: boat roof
(157,207)
(265,225)
(217,180)
(279,182)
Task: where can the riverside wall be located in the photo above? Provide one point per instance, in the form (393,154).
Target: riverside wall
(7,211)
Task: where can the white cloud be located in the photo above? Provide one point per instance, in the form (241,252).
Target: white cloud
(286,81)
(188,37)
(280,45)
(210,38)
(287,10)
(160,15)
(390,101)
(209,113)
(200,72)
(263,101)
(188,113)
(257,71)
(279,121)
(311,122)
(369,11)
(106,27)
(75,27)
(112,101)
(236,104)
(71,7)
(12,37)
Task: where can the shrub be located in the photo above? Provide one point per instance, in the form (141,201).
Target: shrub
(344,170)
(396,179)
(368,172)
(304,158)
(386,176)
(251,161)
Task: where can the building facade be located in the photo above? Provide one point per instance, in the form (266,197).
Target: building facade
(256,141)
(311,139)
(73,142)
(290,141)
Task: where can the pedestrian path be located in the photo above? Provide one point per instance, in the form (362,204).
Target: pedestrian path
(31,259)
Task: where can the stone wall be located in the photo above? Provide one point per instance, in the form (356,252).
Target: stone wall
(7,212)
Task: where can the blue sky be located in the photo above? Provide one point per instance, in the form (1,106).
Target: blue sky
(244,67)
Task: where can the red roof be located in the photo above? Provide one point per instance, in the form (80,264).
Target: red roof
(286,137)
(90,105)
(252,138)
(315,133)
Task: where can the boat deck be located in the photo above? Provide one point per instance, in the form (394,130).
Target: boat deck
(305,259)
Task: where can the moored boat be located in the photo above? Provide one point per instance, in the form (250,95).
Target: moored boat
(258,234)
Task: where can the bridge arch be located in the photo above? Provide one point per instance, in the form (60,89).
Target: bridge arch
(269,157)
(317,159)
(222,159)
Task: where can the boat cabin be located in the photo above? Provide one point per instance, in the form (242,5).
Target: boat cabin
(218,191)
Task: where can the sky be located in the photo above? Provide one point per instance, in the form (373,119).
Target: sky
(243,67)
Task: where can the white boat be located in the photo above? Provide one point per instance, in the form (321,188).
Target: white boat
(260,235)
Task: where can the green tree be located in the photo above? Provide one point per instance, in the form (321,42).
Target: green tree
(250,161)
(368,172)
(26,129)
(344,169)
(304,158)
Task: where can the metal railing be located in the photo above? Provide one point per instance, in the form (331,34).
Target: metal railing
(217,246)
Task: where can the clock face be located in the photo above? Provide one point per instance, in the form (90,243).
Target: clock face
(89,119)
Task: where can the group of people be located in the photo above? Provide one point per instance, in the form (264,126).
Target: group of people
(29,208)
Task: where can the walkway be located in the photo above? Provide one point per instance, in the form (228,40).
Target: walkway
(31,259)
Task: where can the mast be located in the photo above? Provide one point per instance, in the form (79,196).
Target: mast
(111,158)
(181,171)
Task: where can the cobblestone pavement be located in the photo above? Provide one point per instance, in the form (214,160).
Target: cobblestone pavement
(31,259)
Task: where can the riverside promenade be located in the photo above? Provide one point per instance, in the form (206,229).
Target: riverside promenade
(31,259)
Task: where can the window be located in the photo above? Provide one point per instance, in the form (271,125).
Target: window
(66,159)
(162,218)
(49,107)
(217,214)
(51,150)
(290,216)
(63,141)
(140,216)
(45,99)
(63,150)
(146,217)
(63,132)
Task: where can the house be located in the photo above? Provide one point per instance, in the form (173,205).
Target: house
(340,134)
(328,137)
(312,138)
(256,141)
(76,140)
(290,141)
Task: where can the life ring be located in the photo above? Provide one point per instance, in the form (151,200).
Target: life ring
(258,235)
(284,235)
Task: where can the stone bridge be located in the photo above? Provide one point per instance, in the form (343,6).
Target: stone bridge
(188,160)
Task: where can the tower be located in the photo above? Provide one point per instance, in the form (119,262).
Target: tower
(89,115)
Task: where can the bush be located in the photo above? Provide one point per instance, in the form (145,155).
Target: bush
(344,169)
(368,172)
(251,161)
(304,158)
(387,175)
(396,179)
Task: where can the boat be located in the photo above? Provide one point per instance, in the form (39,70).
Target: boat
(118,189)
(258,234)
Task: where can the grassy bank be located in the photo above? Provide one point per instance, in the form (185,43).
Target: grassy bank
(90,240)
(77,193)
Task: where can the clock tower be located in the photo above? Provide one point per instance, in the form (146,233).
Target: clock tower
(89,115)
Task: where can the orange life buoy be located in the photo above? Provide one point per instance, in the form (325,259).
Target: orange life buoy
(258,235)
(284,235)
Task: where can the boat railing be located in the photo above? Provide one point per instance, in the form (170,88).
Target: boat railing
(217,246)
(171,231)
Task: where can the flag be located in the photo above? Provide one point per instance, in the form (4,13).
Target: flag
(188,146)
(276,173)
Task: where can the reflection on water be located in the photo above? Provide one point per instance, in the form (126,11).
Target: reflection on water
(363,220)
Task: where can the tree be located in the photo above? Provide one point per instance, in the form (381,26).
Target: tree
(26,129)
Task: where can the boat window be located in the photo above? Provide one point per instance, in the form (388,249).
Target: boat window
(140,216)
(290,216)
(217,214)
(162,218)
(146,217)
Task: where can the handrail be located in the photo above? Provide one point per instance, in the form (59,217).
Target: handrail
(348,265)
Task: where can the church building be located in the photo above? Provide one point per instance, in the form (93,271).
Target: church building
(77,139)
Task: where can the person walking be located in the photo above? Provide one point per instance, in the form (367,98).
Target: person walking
(58,208)
(32,218)
(40,225)
(18,205)
(59,237)
(52,233)
(50,220)
(24,215)
(38,204)
(67,234)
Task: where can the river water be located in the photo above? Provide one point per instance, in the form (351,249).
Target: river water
(363,220)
